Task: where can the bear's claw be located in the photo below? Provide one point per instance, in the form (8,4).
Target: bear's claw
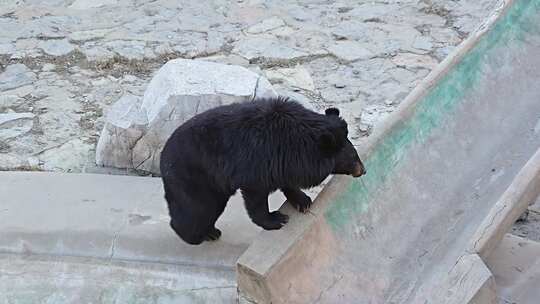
(213,235)
(302,203)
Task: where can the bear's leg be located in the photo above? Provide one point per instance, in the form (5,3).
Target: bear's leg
(196,226)
(257,207)
(214,233)
(297,198)
(193,215)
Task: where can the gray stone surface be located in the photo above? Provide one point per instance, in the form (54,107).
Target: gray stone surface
(86,4)
(350,51)
(15,76)
(297,77)
(267,48)
(56,47)
(135,132)
(345,54)
(15,124)
(266,25)
(125,125)
(127,49)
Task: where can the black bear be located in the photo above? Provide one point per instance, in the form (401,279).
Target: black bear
(257,147)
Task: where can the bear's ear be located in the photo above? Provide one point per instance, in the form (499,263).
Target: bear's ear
(328,143)
(332,111)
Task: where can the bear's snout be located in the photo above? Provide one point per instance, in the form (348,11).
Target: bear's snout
(359,170)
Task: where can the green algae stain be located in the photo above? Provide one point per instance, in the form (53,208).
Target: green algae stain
(439,104)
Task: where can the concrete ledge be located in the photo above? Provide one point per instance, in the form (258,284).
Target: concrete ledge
(523,191)
(109,217)
(515,264)
(469,281)
(276,255)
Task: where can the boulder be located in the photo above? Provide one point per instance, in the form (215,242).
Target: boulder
(135,130)
(125,124)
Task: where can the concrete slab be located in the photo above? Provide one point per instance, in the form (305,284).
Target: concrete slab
(436,171)
(109,217)
(469,281)
(515,264)
(49,279)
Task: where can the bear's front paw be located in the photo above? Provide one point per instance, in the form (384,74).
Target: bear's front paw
(213,234)
(275,221)
(301,202)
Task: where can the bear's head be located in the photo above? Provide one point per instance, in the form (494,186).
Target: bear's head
(335,144)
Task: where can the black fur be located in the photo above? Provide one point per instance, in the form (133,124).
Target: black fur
(257,147)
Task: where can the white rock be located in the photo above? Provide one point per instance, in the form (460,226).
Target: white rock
(352,30)
(126,112)
(298,77)
(9,117)
(163,49)
(391,92)
(374,113)
(88,35)
(227,59)
(100,82)
(15,124)
(125,124)
(6,48)
(86,4)
(266,25)
(128,49)
(10,161)
(423,43)
(134,137)
(8,100)
(129,78)
(97,53)
(445,35)
(47,67)
(372,11)
(16,75)
(70,156)
(56,47)
(260,47)
(414,61)
(284,31)
(350,51)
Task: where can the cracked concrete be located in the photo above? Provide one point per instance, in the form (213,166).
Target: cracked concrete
(67,61)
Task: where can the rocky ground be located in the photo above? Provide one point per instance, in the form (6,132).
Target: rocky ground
(62,62)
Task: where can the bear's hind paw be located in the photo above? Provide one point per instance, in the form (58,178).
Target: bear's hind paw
(275,221)
(213,234)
